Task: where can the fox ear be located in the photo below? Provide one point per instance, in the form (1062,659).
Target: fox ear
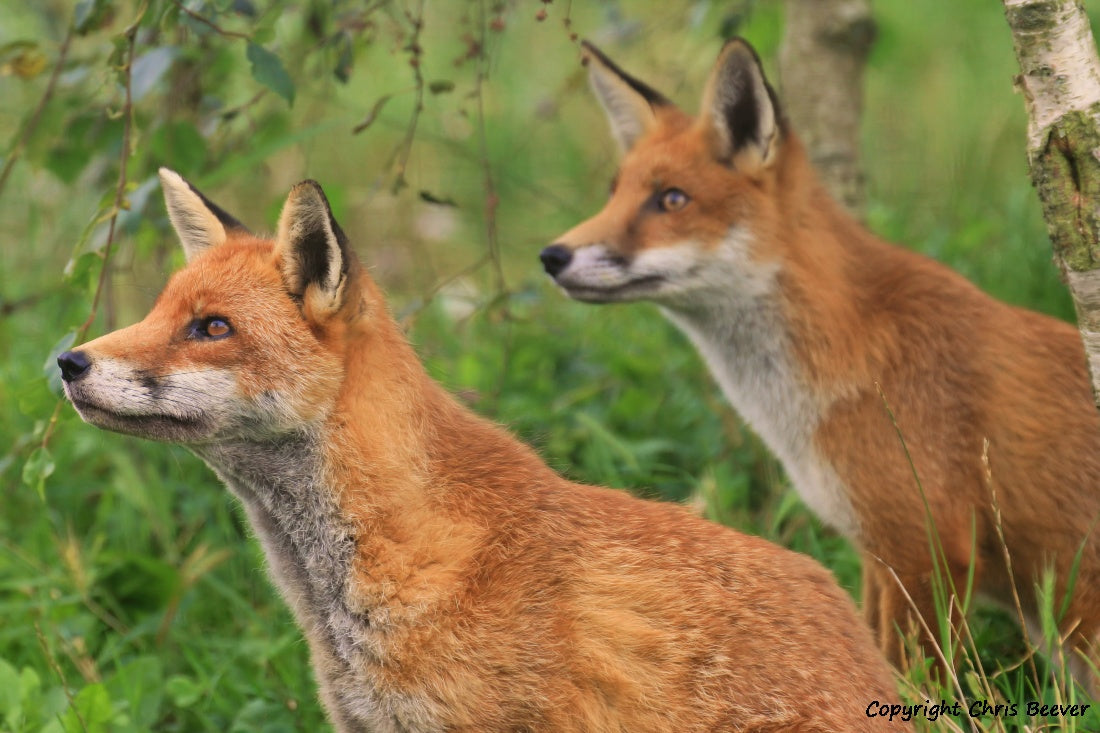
(313,249)
(198,221)
(740,109)
(630,105)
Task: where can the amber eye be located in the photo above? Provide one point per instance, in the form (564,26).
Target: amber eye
(216,327)
(213,327)
(673,199)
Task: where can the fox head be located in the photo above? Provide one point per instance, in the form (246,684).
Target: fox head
(245,342)
(691,196)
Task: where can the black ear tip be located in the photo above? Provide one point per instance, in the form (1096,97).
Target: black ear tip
(311,184)
(590,51)
(741,47)
(310,189)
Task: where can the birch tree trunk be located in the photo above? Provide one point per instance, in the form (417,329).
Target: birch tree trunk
(821,62)
(1060,82)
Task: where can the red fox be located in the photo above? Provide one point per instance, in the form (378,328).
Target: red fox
(445,578)
(802,315)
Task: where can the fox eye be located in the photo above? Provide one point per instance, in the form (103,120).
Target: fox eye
(212,328)
(673,199)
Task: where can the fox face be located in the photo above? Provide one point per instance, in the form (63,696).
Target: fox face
(691,195)
(222,354)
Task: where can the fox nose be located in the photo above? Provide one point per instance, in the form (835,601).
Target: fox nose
(74,364)
(555,258)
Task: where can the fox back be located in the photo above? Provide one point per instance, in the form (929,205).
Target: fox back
(812,326)
(445,578)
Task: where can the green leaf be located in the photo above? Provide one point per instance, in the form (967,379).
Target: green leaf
(84,136)
(140,683)
(183,690)
(345,59)
(89,15)
(20,694)
(76,271)
(441,86)
(11,701)
(179,145)
(373,114)
(264,34)
(83,272)
(149,68)
(37,469)
(90,712)
(268,69)
(257,717)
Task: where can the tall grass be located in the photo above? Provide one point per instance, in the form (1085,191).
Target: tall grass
(131,594)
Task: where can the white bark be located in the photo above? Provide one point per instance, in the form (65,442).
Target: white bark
(1057,56)
(1060,81)
(1085,287)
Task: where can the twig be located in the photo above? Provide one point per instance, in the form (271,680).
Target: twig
(459,150)
(209,23)
(415,51)
(234,111)
(32,121)
(567,22)
(492,200)
(120,191)
(409,318)
(52,661)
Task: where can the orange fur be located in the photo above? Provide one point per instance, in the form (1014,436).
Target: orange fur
(802,314)
(445,577)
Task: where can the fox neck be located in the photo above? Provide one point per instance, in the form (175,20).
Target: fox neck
(350,510)
(762,351)
(307,543)
(748,351)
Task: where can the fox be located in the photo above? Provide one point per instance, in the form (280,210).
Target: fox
(444,577)
(899,398)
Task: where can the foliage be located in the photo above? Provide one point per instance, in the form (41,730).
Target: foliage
(454,140)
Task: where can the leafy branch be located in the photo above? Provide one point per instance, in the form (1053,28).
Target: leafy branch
(492,200)
(41,456)
(267,68)
(199,18)
(415,53)
(24,134)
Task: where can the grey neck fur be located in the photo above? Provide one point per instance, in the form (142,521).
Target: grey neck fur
(746,344)
(310,547)
(308,544)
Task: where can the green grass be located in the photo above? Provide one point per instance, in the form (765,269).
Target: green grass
(131,585)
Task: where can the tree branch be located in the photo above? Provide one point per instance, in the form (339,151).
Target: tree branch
(16,149)
(209,23)
(821,63)
(120,192)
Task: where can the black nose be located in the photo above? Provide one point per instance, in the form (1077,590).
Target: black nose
(73,365)
(555,258)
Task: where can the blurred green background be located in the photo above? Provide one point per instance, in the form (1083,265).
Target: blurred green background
(131,595)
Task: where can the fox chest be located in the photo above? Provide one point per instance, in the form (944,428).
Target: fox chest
(752,362)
